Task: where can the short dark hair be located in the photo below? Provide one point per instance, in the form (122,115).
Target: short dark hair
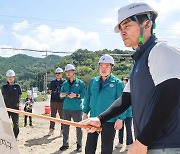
(141,18)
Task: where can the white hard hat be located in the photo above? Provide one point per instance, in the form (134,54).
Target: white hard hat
(59,70)
(10,73)
(69,67)
(106,59)
(29,93)
(133,9)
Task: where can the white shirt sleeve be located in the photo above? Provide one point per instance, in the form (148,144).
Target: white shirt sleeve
(127,87)
(164,63)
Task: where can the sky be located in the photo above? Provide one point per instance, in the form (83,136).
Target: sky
(69,25)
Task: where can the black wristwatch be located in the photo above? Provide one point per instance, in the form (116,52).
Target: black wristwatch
(77,95)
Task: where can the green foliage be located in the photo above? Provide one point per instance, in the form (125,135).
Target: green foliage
(86,63)
(30,71)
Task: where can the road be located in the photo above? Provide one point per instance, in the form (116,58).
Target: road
(39,107)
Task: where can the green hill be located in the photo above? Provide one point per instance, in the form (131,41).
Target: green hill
(30,71)
(27,68)
(86,63)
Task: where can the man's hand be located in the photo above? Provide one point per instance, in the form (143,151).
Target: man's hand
(93,122)
(84,116)
(72,95)
(118,124)
(137,148)
(62,95)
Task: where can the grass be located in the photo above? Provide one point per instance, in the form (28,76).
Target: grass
(40,97)
(24,95)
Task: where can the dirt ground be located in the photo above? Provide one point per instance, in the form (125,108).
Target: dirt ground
(34,140)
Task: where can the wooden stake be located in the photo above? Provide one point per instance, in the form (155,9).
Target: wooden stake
(66,122)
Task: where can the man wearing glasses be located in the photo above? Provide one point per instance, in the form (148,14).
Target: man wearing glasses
(56,102)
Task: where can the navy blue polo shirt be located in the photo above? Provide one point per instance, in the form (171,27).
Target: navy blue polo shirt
(55,86)
(11,95)
(154,64)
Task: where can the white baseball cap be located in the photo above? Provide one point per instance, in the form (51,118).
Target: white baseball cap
(29,93)
(133,9)
(59,70)
(106,59)
(10,73)
(69,67)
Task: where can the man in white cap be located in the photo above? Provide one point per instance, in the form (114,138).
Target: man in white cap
(11,92)
(154,86)
(73,91)
(102,91)
(56,103)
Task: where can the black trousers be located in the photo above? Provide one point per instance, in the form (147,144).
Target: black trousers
(30,118)
(107,139)
(15,120)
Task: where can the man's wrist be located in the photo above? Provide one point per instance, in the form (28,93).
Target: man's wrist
(100,119)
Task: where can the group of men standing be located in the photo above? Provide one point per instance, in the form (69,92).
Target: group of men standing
(66,98)
(153,92)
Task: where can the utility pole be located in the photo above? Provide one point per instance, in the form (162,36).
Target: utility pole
(46,74)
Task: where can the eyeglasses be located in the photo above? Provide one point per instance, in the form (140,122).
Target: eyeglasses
(58,73)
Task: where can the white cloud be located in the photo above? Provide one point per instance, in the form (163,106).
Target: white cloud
(67,40)
(31,43)
(111,17)
(72,38)
(110,20)
(20,26)
(1,28)
(43,32)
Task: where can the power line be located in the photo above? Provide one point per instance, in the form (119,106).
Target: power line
(54,20)
(67,21)
(33,50)
(101,30)
(48,51)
